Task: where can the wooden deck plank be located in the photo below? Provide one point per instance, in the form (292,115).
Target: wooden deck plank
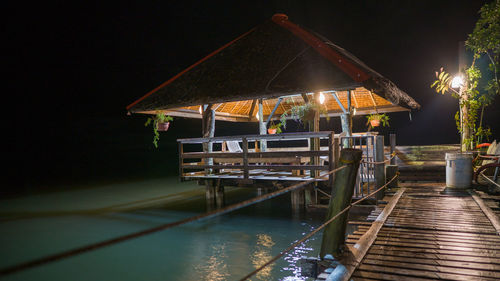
(435,232)
(367,275)
(433,268)
(409,236)
(436,262)
(430,235)
(404,272)
(440,257)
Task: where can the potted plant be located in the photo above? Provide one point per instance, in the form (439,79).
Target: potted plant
(374,120)
(161,123)
(275,128)
(303,113)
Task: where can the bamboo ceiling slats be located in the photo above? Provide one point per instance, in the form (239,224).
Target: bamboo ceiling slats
(361,99)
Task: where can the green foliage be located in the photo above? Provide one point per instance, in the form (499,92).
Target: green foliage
(276,126)
(383,118)
(158,118)
(443,82)
(482,134)
(303,113)
(484,40)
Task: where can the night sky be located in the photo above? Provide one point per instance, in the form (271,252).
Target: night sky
(71,69)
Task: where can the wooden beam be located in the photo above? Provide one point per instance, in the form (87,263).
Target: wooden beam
(373,100)
(289,136)
(217,106)
(495,221)
(252,108)
(334,94)
(273,111)
(354,97)
(305,97)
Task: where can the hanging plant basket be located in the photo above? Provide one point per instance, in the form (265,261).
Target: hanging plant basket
(271,131)
(163,127)
(375,122)
(309,115)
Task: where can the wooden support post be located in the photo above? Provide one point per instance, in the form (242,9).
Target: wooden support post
(297,199)
(208,131)
(210,194)
(309,195)
(392,139)
(379,169)
(343,188)
(314,142)
(390,172)
(262,126)
(219,195)
(245,158)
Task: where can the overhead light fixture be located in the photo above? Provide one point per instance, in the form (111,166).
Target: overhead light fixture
(200,110)
(321,98)
(457,82)
(257,116)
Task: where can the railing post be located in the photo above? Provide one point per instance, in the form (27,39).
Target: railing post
(379,169)
(245,158)
(181,161)
(331,159)
(343,188)
(392,138)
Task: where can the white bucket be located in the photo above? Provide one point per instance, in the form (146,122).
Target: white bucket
(458,170)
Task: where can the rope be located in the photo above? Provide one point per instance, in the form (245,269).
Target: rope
(490,156)
(490,180)
(324,193)
(314,231)
(381,162)
(83,249)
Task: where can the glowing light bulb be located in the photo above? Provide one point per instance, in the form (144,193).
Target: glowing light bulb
(257,116)
(200,110)
(321,98)
(457,82)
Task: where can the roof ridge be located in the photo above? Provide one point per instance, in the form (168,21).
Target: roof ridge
(322,48)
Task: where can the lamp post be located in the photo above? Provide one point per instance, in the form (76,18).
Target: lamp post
(458,86)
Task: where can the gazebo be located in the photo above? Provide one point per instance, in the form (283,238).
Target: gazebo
(267,70)
(256,78)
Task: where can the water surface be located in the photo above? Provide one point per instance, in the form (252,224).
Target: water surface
(223,248)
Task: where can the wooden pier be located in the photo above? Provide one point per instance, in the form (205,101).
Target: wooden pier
(431,234)
(287,159)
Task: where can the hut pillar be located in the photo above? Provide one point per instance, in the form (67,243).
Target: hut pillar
(262,126)
(346,120)
(309,197)
(208,130)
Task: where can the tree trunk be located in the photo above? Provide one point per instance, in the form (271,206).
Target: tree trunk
(466,128)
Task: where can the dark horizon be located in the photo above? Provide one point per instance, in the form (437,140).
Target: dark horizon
(74,68)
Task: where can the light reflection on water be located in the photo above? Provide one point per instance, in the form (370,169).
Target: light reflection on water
(262,254)
(215,268)
(223,248)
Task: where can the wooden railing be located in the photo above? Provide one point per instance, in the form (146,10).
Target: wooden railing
(286,152)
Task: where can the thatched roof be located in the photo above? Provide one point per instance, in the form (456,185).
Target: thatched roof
(275,59)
